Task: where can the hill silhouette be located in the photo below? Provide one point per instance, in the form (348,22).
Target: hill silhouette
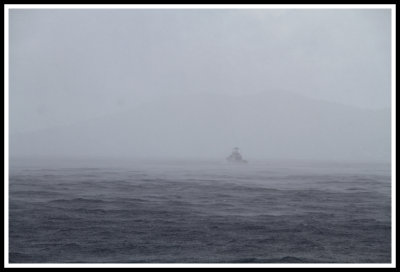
(273,124)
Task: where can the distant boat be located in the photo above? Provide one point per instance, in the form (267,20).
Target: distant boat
(235,157)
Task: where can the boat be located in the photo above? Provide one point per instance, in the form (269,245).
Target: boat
(235,157)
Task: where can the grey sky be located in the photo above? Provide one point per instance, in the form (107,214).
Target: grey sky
(68,65)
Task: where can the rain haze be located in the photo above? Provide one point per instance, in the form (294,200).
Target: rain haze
(304,84)
(161,97)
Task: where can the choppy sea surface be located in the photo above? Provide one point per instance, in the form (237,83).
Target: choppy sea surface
(199,212)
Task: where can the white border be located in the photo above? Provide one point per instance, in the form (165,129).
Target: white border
(212,265)
(197,6)
(6,126)
(393,161)
(201,6)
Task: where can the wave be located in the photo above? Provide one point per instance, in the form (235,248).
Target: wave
(286,259)
(78,200)
(207,217)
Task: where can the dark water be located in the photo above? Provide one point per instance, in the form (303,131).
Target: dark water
(199,212)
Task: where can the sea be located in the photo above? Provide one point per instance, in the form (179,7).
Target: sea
(198,211)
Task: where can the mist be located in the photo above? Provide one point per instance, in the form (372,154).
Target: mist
(308,84)
(187,136)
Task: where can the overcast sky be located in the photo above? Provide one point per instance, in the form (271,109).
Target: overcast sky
(68,65)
